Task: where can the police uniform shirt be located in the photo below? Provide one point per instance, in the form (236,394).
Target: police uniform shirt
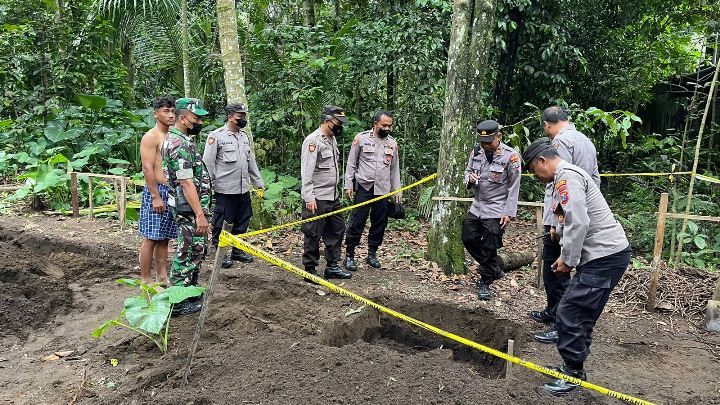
(588,229)
(231,162)
(575,148)
(319,167)
(373,162)
(498,186)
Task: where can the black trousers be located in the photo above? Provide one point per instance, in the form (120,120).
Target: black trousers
(583,302)
(331,230)
(378,212)
(555,284)
(235,209)
(482,238)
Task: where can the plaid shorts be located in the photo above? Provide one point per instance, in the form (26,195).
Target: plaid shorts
(156,226)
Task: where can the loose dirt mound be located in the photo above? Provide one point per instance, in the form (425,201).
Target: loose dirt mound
(272,339)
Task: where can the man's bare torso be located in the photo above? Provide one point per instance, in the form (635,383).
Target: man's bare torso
(154,139)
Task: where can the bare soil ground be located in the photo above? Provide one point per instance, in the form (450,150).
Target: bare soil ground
(273,339)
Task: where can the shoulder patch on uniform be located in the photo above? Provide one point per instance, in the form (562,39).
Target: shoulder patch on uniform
(211,140)
(561,185)
(564,197)
(514,158)
(312,147)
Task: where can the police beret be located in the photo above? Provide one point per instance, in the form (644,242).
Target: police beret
(333,111)
(535,148)
(487,130)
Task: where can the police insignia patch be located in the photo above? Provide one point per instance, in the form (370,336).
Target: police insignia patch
(561,218)
(312,147)
(515,158)
(564,197)
(211,140)
(561,184)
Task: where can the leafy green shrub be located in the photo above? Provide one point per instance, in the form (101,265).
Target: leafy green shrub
(147,313)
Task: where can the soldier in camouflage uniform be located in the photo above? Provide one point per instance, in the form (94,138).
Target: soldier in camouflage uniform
(189,198)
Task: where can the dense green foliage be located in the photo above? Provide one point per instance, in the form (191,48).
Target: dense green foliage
(78,77)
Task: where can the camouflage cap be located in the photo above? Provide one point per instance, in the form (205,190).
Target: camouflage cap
(191,104)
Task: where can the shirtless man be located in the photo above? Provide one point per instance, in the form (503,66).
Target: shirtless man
(157,225)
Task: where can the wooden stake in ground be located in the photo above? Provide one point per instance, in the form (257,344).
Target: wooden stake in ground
(541,230)
(219,256)
(657,252)
(712,312)
(508,365)
(697,157)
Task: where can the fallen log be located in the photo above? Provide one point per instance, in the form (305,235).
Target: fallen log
(514,260)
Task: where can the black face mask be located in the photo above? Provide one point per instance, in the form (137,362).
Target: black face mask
(241,123)
(195,130)
(337,130)
(383,133)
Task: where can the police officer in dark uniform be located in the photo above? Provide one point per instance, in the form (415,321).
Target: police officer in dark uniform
(373,169)
(575,148)
(320,173)
(233,170)
(592,242)
(493,171)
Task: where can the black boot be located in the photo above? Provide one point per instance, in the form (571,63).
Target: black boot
(549,336)
(372,260)
(227,262)
(240,256)
(350,264)
(186,307)
(483,291)
(542,317)
(498,274)
(562,387)
(334,271)
(312,271)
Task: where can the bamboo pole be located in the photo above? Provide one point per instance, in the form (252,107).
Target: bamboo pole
(220,253)
(697,157)
(657,252)
(90,196)
(122,202)
(541,241)
(74,194)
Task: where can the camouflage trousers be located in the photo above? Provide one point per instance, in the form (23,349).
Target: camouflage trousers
(191,251)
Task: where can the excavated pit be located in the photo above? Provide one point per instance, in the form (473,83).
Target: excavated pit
(399,336)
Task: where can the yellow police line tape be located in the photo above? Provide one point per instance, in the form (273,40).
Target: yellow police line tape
(341,210)
(228,239)
(707,178)
(644,174)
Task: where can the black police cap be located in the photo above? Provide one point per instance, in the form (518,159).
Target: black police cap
(333,111)
(487,130)
(535,148)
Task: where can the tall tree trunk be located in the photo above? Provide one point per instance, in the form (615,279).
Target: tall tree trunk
(507,66)
(308,7)
(185,47)
(697,157)
(692,107)
(390,78)
(230,55)
(129,63)
(470,38)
